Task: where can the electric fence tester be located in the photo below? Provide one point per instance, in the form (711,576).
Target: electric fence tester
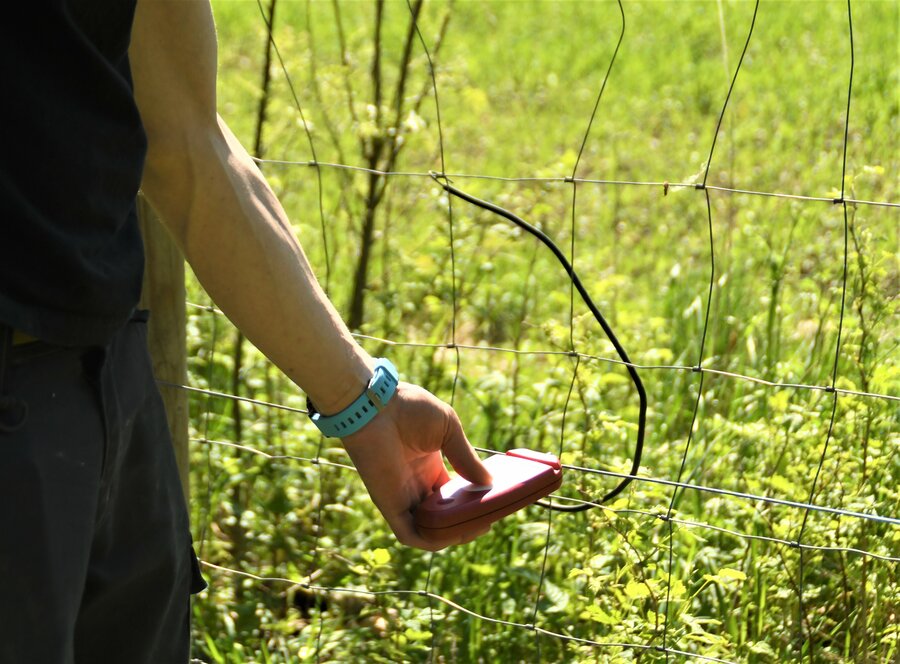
(520,477)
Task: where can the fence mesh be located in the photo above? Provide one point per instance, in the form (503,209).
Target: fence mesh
(756,296)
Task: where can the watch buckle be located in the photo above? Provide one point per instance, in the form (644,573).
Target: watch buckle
(375,399)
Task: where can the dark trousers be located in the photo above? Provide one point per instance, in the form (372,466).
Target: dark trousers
(96,562)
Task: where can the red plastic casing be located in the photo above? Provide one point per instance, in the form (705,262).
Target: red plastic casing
(520,478)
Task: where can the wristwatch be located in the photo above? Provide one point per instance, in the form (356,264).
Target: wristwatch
(358,414)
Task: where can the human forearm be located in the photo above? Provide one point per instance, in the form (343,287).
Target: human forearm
(237,238)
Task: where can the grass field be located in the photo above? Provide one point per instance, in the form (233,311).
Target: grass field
(517,83)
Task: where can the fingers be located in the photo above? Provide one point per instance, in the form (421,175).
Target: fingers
(404,529)
(442,479)
(460,453)
(403,526)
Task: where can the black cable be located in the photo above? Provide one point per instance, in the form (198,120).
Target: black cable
(586,298)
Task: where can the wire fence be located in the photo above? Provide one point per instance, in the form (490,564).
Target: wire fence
(660,507)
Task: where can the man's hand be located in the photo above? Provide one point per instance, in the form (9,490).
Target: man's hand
(399,457)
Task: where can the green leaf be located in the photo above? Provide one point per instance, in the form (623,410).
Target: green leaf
(483,569)
(597,614)
(559,600)
(732,574)
(637,590)
(761,648)
(377,557)
(417,634)
(677,589)
(781,485)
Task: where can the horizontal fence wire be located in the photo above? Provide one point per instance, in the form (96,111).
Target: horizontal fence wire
(660,184)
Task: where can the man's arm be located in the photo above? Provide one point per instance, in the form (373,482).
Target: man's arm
(236,236)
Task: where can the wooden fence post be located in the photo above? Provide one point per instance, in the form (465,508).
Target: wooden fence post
(164,295)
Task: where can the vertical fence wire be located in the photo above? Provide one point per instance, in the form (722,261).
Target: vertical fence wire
(702,345)
(809,641)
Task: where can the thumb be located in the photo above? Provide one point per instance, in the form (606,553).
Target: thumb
(460,453)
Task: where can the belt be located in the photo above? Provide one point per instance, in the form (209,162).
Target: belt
(20,338)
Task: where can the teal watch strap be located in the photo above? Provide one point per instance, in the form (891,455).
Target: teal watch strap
(359,413)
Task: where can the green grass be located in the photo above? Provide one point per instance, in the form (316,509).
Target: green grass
(517,83)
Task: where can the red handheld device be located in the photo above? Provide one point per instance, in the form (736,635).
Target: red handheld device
(521,477)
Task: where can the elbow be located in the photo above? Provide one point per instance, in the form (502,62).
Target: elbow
(173,149)
(176,159)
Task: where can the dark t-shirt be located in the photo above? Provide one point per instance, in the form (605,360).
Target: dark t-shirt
(71,157)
